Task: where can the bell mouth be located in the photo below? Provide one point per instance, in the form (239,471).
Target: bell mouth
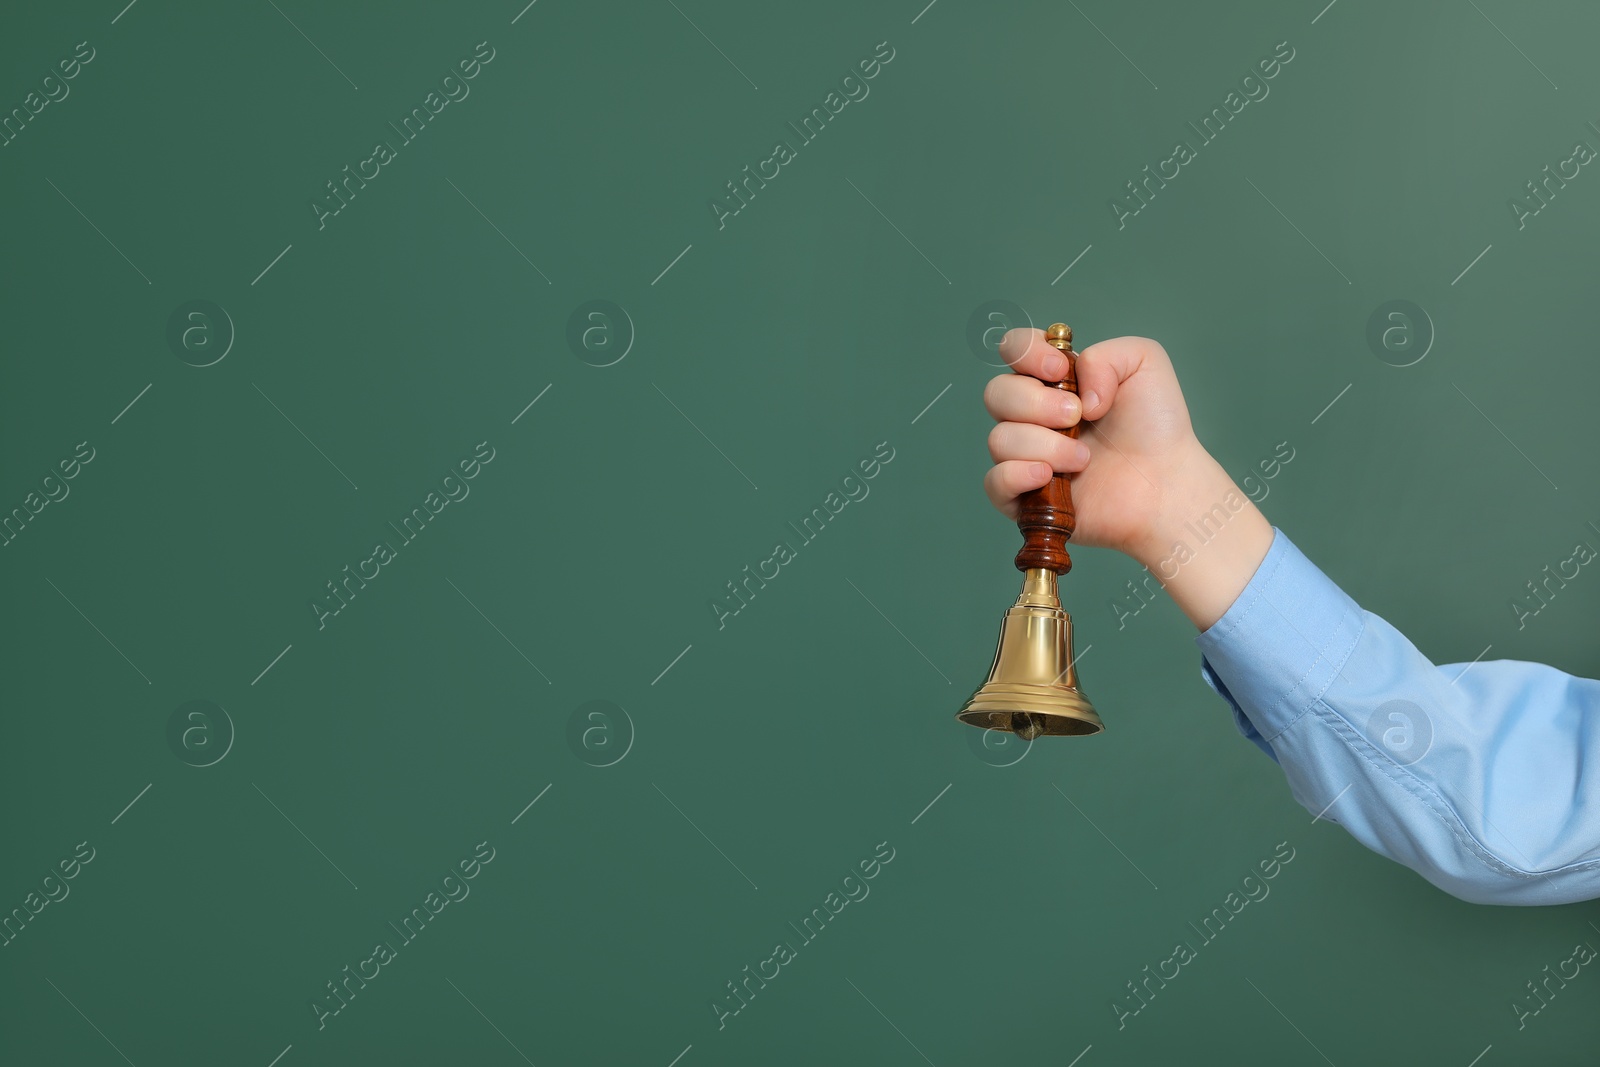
(1029,725)
(1031,711)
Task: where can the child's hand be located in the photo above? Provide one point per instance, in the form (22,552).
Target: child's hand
(1135,443)
(1141,477)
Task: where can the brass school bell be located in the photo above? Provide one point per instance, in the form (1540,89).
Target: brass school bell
(1032,689)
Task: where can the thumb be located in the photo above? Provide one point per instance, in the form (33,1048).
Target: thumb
(1103,367)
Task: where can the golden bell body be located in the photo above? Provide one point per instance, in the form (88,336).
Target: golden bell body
(1032,689)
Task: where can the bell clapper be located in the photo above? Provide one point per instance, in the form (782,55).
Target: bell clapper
(1027,725)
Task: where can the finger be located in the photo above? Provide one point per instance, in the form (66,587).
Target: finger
(1025,351)
(1025,441)
(1103,367)
(1006,481)
(1019,398)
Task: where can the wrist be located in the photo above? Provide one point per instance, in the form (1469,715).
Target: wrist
(1207,541)
(1188,485)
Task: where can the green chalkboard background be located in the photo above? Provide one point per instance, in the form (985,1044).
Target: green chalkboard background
(264,790)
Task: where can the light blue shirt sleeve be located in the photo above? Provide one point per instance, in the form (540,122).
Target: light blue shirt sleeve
(1484,778)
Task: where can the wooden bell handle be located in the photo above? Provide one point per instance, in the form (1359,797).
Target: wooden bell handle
(1046,516)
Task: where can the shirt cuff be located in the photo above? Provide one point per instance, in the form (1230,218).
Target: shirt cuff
(1281,643)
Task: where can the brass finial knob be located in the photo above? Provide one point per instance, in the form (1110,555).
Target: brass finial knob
(1060,335)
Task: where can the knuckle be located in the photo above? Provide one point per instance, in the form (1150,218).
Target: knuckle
(993,392)
(997,440)
(1012,440)
(998,483)
(1047,408)
(1152,348)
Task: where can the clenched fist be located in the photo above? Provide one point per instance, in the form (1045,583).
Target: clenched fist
(1139,473)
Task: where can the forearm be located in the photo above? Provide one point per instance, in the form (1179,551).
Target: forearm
(1208,541)
(1479,776)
